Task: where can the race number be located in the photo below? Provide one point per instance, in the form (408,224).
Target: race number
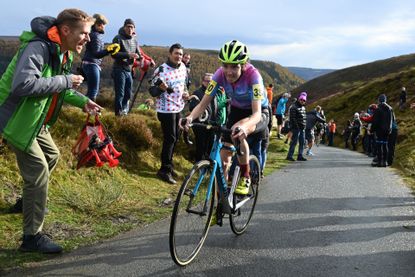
(257,89)
(211,87)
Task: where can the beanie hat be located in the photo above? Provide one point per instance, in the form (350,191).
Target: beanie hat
(303,93)
(100,19)
(303,97)
(129,21)
(382,98)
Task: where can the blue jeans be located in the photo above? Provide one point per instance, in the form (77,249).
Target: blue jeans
(92,73)
(123,82)
(298,136)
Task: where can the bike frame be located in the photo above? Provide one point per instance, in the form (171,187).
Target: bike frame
(228,202)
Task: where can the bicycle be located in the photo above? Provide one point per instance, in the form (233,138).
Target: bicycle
(194,206)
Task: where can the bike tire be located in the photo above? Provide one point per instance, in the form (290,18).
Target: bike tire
(192,214)
(240,218)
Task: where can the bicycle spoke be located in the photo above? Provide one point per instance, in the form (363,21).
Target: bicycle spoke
(191,214)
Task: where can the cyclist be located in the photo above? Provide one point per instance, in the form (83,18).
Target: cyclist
(248,114)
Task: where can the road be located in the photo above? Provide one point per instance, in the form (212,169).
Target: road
(332,215)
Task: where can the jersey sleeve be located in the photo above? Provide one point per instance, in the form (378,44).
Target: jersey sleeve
(214,84)
(258,88)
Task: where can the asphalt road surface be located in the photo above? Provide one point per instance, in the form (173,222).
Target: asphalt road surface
(332,215)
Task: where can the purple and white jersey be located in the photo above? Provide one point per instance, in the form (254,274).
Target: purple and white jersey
(249,87)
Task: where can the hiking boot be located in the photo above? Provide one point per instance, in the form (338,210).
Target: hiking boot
(301,158)
(166,176)
(290,159)
(39,243)
(243,186)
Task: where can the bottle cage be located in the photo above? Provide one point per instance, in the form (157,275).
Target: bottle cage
(94,147)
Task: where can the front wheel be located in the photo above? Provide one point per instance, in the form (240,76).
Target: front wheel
(192,213)
(240,218)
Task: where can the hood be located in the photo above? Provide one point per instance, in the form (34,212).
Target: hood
(41,25)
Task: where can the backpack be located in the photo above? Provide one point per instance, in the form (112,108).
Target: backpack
(94,147)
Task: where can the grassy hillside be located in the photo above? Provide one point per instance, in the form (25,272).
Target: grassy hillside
(202,61)
(349,79)
(354,96)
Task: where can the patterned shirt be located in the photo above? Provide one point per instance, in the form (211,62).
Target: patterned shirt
(175,78)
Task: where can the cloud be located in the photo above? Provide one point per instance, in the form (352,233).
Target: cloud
(338,45)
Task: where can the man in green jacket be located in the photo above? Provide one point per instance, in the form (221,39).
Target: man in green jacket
(32,91)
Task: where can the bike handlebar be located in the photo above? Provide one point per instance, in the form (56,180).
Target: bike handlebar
(218,129)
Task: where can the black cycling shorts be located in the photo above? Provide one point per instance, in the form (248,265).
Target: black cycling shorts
(279,119)
(237,114)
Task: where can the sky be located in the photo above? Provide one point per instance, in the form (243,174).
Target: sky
(329,34)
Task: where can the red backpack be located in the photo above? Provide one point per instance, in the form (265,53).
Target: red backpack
(94,147)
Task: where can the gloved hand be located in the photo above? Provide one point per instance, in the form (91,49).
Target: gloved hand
(113,48)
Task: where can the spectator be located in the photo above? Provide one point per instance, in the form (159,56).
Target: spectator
(32,94)
(298,120)
(392,141)
(370,137)
(270,92)
(203,137)
(168,84)
(186,62)
(332,132)
(356,126)
(122,67)
(346,133)
(94,52)
(312,118)
(281,106)
(383,118)
(402,99)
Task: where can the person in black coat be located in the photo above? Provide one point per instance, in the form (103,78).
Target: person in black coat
(383,118)
(203,137)
(298,120)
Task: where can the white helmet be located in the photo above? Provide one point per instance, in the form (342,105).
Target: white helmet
(356,115)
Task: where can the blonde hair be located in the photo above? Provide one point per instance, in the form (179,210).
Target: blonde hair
(73,18)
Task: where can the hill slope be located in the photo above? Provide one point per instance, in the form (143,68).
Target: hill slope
(351,78)
(308,73)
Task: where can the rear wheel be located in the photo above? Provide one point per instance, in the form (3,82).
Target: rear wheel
(192,213)
(240,218)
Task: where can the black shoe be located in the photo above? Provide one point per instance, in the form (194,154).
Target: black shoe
(39,243)
(290,159)
(17,207)
(166,176)
(375,164)
(301,159)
